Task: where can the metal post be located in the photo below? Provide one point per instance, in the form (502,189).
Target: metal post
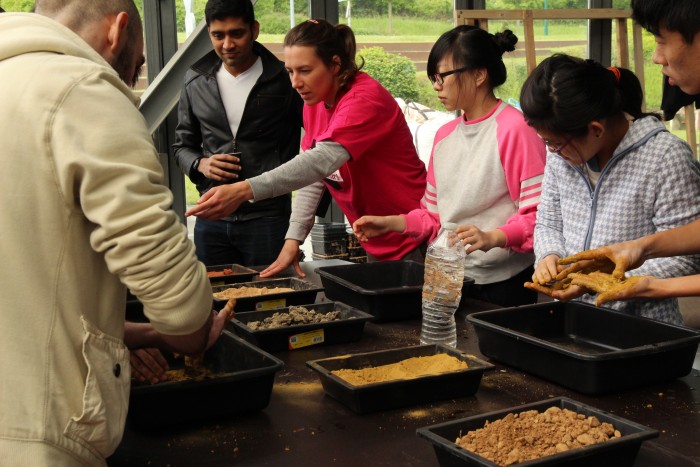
(326,9)
(470,4)
(161,44)
(291,14)
(600,34)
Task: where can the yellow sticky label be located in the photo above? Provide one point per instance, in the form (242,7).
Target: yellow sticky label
(271,304)
(306,339)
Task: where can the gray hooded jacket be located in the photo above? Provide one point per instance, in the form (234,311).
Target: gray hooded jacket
(652,183)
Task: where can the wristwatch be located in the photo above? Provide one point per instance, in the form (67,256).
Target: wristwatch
(195,164)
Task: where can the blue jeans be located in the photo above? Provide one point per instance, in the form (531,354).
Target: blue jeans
(256,242)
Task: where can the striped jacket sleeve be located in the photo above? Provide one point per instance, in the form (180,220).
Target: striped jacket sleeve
(523,158)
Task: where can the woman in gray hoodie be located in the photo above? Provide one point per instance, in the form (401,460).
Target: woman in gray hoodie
(613,173)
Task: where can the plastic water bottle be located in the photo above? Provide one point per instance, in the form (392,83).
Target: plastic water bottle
(442,287)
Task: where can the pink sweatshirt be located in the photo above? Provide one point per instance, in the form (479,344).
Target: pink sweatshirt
(487,173)
(384,175)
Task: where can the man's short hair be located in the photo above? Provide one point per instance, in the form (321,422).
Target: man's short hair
(222,9)
(682,16)
(77,13)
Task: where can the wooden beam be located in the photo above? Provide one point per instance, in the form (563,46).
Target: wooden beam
(623,52)
(571,13)
(529,27)
(638,49)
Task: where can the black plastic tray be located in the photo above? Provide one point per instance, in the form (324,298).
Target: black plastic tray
(619,452)
(399,393)
(588,349)
(388,290)
(304,292)
(240,274)
(348,328)
(243,385)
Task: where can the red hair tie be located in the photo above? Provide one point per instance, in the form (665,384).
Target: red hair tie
(616,72)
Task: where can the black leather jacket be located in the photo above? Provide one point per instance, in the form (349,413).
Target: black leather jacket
(267,137)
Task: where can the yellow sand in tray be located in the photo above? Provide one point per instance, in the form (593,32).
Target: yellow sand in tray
(405,369)
(245,291)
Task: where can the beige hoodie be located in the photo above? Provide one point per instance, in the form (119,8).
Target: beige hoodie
(84,213)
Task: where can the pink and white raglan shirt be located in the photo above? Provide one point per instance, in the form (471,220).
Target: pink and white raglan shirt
(487,173)
(384,175)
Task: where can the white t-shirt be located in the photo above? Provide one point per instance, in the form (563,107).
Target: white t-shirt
(235,90)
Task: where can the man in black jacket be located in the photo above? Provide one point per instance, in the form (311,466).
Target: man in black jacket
(238,117)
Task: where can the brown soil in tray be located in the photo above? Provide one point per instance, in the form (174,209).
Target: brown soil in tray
(531,434)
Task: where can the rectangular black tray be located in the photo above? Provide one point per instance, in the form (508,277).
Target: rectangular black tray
(348,328)
(619,452)
(388,290)
(243,384)
(240,274)
(588,349)
(303,292)
(399,393)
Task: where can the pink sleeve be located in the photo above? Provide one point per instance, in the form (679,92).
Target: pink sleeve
(523,157)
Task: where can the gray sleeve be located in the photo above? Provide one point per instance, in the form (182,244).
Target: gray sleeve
(312,166)
(304,211)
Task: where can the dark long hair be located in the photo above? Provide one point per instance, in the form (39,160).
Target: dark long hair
(563,94)
(472,47)
(328,40)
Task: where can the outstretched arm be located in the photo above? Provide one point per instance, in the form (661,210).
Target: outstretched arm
(629,255)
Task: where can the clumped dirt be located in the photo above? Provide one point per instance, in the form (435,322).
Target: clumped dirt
(530,435)
(193,370)
(410,368)
(297,315)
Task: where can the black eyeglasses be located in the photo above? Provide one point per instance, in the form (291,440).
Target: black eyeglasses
(556,148)
(439,78)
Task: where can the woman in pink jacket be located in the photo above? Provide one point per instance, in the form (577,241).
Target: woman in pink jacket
(485,170)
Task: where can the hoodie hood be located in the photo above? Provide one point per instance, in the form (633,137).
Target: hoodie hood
(23,33)
(639,132)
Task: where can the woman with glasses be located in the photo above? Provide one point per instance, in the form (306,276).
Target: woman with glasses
(357,146)
(613,173)
(485,169)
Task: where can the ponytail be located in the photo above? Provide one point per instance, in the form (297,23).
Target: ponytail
(472,47)
(328,41)
(563,94)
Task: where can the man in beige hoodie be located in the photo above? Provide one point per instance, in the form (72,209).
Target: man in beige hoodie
(85,214)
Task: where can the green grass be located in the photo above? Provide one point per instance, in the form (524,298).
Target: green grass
(191,193)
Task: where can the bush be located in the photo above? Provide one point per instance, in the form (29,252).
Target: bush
(516,76)
(426,94)
(274,23)
(17,5)
(395,72)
